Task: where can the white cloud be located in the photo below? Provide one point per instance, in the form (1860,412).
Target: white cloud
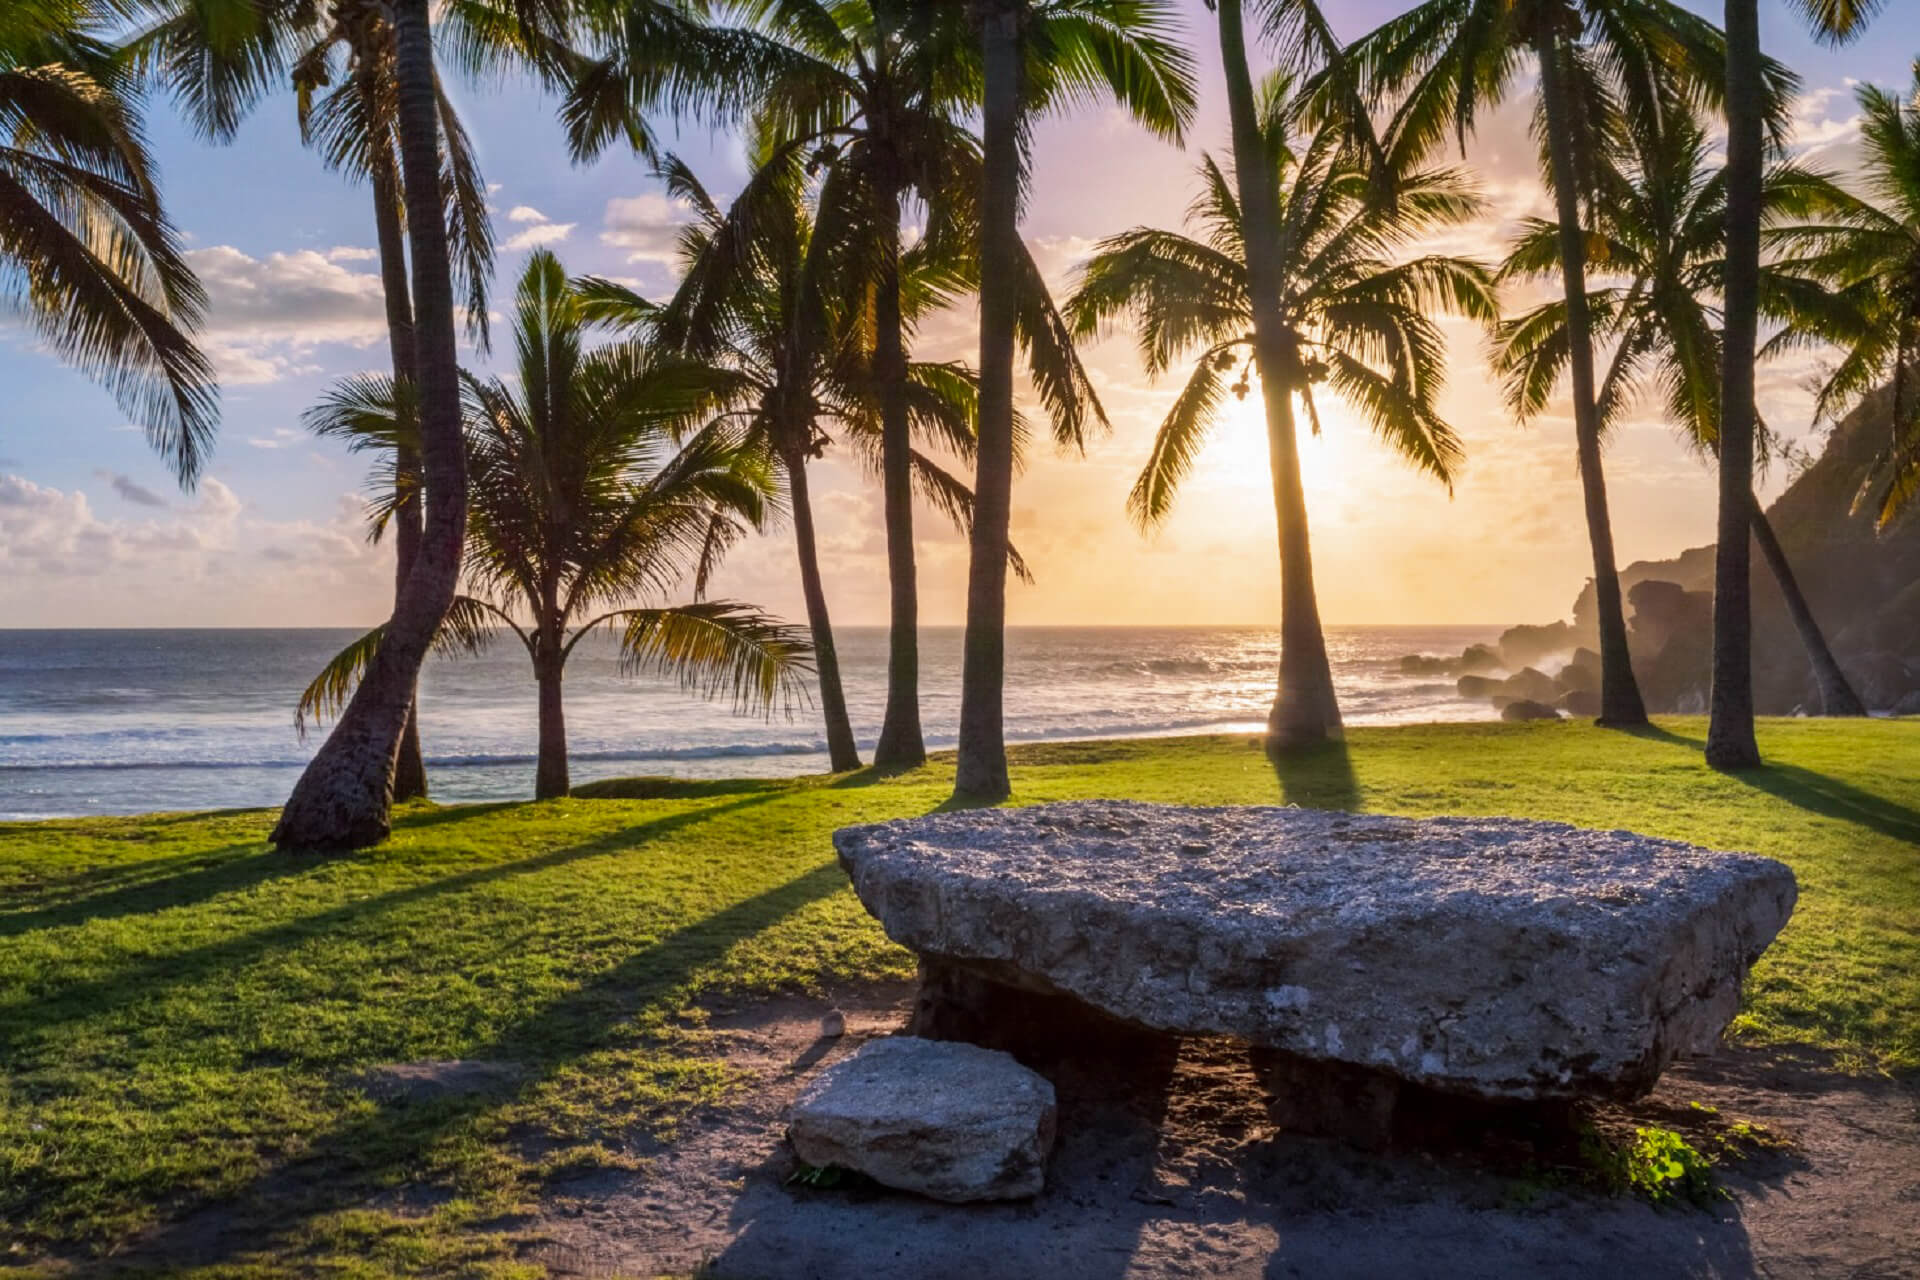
(351,253)
(535,237)
(646,226)
(526,213)
(62,563)
(266,314)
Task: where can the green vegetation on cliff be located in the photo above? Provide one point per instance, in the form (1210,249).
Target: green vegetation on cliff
(185,1016)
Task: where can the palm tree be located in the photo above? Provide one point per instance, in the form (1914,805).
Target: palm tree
(1346,317)
(1730,740)
(353,125)
(599,478)
(86,249)
(1861,269)
(1036,55)
(344,798)
(219,57)
(879,89)
(1658,229)
(1600,62)
(797,330)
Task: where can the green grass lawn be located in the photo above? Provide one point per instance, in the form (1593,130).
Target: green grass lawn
(184,1014)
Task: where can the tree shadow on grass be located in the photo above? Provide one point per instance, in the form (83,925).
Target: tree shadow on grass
(1317,777)
(1831,798)
(38,1011)
(1813,792)
(340,1169)
(236,867)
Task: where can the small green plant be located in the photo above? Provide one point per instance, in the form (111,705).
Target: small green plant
(1657,1163)
(827,1177)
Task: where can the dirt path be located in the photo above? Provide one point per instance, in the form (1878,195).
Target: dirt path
(1192,1183)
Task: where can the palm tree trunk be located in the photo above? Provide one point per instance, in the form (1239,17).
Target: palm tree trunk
(344,799)
(1306,710)
(981,774)
(1730,740)
(1620,702)
(410,769)
(1837,697)
(901,745)
(550,780)
(843,753)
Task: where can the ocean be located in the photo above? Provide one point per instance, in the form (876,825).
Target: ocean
(98,722)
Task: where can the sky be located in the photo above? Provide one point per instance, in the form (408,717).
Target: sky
(94,532)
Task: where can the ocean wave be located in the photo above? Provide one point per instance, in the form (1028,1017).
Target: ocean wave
(1135,728)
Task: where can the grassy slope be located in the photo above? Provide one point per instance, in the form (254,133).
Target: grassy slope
(183,1014)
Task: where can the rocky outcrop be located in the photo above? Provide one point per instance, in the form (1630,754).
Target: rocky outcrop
(1529,646)
(1492,957)
(1528,709)
(950,1121)
(1861,584)
(1580,703)
(1479,686)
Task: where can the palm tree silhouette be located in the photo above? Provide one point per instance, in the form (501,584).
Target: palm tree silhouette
(1861,265)
(1658,227)
(85,246)
(1346,317)
(1037,55)
(797,326)
(348,110)
(1600,63)
(601,476)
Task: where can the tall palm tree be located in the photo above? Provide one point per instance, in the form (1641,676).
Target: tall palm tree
(219,57)
(599,478)
(1348,318)
(1861,266)
(797,328)
(86,250)
(1306,711)
(344,798)
(880,89)
(347,109)
(1657,229)
(1036,55)
(1730,740)
(1599,62)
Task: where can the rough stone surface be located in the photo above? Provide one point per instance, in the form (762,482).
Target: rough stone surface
(947,1120)
(1495,957)
(1528,709)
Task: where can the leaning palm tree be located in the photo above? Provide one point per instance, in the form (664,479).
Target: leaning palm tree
(348,111)
(219,57)
(1730,740)
(1036,55)
(1600,63)
(1350,318)
(797,330)
(1860,265)
(600,480)
(87,254)
(1657,229)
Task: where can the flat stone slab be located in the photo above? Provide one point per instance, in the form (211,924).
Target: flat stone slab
(947,1120)
(1495,957)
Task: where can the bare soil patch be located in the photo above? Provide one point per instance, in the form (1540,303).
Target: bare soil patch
(1181,1175)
